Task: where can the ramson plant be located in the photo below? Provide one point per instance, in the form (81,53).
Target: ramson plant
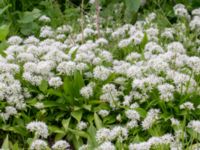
(135,87)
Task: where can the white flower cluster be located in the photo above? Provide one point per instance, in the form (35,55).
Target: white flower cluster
(39,128)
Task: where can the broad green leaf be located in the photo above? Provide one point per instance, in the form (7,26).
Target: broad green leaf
(92,132)
(4,30)
(65,123)
(3,46)
(77,115)
(5,145)
(87,107)
(68,86)
(109,119)
(15,146)
(79,133)
(43,86)
(78,81)
(98,121)
(49,103)
(132,5)
(29,16)
(54,92)
(54,129)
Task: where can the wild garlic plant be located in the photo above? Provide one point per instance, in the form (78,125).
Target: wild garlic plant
(136,87)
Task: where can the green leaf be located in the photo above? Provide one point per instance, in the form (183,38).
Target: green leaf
(87,107)
(4,30)
(54,129)
(5,145)
(78,81)
(92,132)
(98,121)
(43,86)
(79,133)
(65,123)
(29,16)
(3,46)
(53,104)
(109,119)
(54,92)
(132,5)
(141,111)
(77,115)
(15,146)
(144,41)
(68,86)
(2,10)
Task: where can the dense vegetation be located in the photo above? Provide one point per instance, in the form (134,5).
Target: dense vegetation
(100,74)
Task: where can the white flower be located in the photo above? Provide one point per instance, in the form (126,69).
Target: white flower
(101,73)
(132,124)
(106,146)
(151,117)
(187,105)
(195,125)
(119,133)
(103,113)
(67,68)
(38,145)
(15,40)
(82,125)
(175,121)
(132,114)
(176,47)
(180,10)
(195,23)
(124,43)
(140,146)
(61,145)
(40,128)
(103,135)
(44,19)
(92,1)
(86,92)
(55,82)
(39,105)
(196,12)
(166,91)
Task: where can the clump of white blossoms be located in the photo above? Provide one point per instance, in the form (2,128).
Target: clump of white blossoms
(150,119)
(38,145)
(103,135)
(101,73)
(106,145)
(44,19)
(39,128)
(181,11)
(67,68)
(187,105)
(82,125)
(103,113)
(166,92)
(61,145)
(15,40)
(195,125)
(55,82)
(87,91)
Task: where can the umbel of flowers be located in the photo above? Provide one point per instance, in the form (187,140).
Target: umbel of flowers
(137,87)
